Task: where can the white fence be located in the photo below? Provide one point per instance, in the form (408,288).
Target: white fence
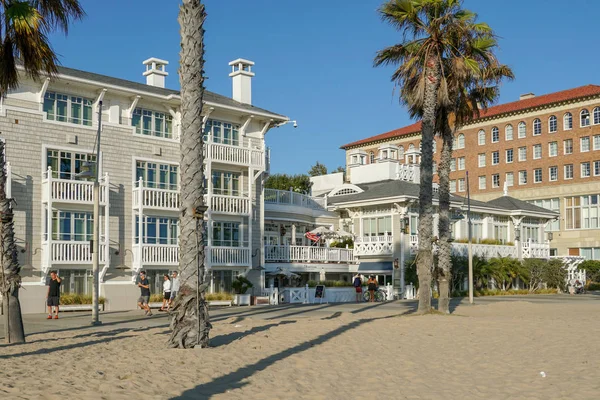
(374,245)
(307,254)
(162,199)
(229,256)
(71,191)
(67,252)
(230,204)
(288,197)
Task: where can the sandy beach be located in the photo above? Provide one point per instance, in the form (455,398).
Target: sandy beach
(492,351)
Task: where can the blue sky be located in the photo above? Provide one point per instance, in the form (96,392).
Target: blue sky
(314,58)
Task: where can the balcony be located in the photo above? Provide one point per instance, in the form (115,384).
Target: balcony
(69,252)
(374,245)
(155,255)
(55,190)
(229,154)
(230,205)
(308,254)
(530,249)
(154,198)
(290,198)
(229,256)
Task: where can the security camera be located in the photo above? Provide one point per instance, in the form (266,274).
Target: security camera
(295,124)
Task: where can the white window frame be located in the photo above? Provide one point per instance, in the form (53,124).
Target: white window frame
(496,180)
(69,99)
(461,163)
(569,171)
(155,116)
(553,173)
(552,124)
(584,118)
(461,141)
(596,116)
(481,137)
(522,154)
(509,160)
(537,148)
(550,148)
(523,177)
(537,175)
(537,127)
(510,178)
(481,160)
(160,166)
(522,130)
(586,169)
(596,142)
(461,185)
(584,144)
(567,121)
(508,132)
(495,134)
(495,157)
(565,146)
(453,164)
(452,186)
(482,182)
(596,168)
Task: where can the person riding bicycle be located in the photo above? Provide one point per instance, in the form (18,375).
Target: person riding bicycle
(372,286)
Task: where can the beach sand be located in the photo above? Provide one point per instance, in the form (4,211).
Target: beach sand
(495,351)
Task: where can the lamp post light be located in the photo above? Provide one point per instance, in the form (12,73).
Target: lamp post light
(91,171)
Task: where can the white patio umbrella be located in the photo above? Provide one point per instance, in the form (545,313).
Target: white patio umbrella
(321,230)
(286,273)
(342,233)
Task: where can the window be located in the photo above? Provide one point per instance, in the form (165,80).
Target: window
(585,169)
(582,212)
(461,163)
(65,108)
(553,149)
(481,160)
(596,142)
(584,143)
(226,234)
(537,127)
(569,171)
(553,173)
(481,137)
(482,182)
(453,164)
(596,115)
(495,157)
(596,168)
(400,152)
(522,153)
(76,281)
(568,146)
(522,177)
(509,156)
(222,132)
(496,180)
(568,121)
(530,230)
(72,226)
(552,124)
(67,164)
(461,185)
(590,253)
(508,132)
(510,179)
(379,226)
(153,123)
(537,151)
(461,141)
(226,183)
(522,130)
(495,135)
(157,230)
(452,186)
(537,175)
(584,117)
(500,229)
(157,175)
(552,205)
(371,158)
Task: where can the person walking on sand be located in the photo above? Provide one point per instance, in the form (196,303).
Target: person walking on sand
(166,293)
(372,286)
(144,299)
(53,295)
(357,283)
(174,287)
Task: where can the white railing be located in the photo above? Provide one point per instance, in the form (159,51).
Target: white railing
(230,204)
(485,250)
(229,256)
(288,197)
(157,254)
(531,249)
(308,254)
(235,155)
(374,245)
(71,191)
(408,172)
(146,197)
(66,252)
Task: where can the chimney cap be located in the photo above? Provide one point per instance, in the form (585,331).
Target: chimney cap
(155,60)
(526,96)
(241,61)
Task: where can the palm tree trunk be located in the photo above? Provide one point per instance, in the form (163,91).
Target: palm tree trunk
(190,323)
(425,253)
(9,271)
(445,245)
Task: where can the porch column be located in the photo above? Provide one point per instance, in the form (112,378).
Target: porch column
(293,234)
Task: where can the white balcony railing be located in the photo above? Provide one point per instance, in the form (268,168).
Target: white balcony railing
(288,197)
(530,249)
(374,245)
(308,254)
(230,204)
(156,254)
(230,154)
(229,256)
(71,191)
(161,199)
(67,252)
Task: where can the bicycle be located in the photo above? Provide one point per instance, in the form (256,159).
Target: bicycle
(380,296)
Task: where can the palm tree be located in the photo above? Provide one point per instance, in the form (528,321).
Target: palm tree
(429,28)
(24,34)
(190,323)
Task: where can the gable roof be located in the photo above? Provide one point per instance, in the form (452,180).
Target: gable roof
(510,203)
(519,105)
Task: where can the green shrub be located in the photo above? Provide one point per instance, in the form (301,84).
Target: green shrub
(156,298)
(593,286)
(221,296)
(592,269)
(241,284)
(68,299)
(342,244)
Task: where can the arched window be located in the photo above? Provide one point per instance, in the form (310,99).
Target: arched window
(371,158)
(552,124)
(596,115)
(522,128)
(411,147)
(455,142)
(461,141)
(508,132)
(481,137)
(568,121)
(584,117)
(400,152)
(537,127)
(495,135)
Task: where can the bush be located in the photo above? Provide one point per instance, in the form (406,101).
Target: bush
(156,298)
(498,292)
(221,296)
(593,286)
(592,270)
(344,243)
(70,299)
(241,284)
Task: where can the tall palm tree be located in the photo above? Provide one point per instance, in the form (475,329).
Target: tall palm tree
(190,323)
(24,30)
(428,28)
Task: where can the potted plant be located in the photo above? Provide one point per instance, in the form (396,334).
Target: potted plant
(241,285)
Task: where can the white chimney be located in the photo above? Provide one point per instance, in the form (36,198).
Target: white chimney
(155,72)
(241,74)
(526,96)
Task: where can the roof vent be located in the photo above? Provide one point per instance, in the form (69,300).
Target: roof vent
(526,96)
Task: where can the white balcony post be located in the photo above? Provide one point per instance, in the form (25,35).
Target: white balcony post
(106,225)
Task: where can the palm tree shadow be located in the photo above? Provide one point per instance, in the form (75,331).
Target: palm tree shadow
(235,380)
(223,340)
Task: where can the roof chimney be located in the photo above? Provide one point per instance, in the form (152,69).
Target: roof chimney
(241,74)
(526,96)
(155,72)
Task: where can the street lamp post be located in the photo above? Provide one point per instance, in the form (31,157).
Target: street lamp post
(470,248)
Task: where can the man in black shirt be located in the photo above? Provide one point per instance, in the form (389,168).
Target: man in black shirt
(144,299)
(53,295)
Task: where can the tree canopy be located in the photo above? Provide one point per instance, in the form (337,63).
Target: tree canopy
(298,183)
(317,170)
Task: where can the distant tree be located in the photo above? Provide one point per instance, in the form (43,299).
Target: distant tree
(339,169)
(298,183)
(318,169)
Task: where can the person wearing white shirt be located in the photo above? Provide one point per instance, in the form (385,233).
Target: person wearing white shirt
(166,293)
(174,287)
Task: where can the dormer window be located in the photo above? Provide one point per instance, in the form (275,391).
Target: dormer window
(64,108)
(152,123)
